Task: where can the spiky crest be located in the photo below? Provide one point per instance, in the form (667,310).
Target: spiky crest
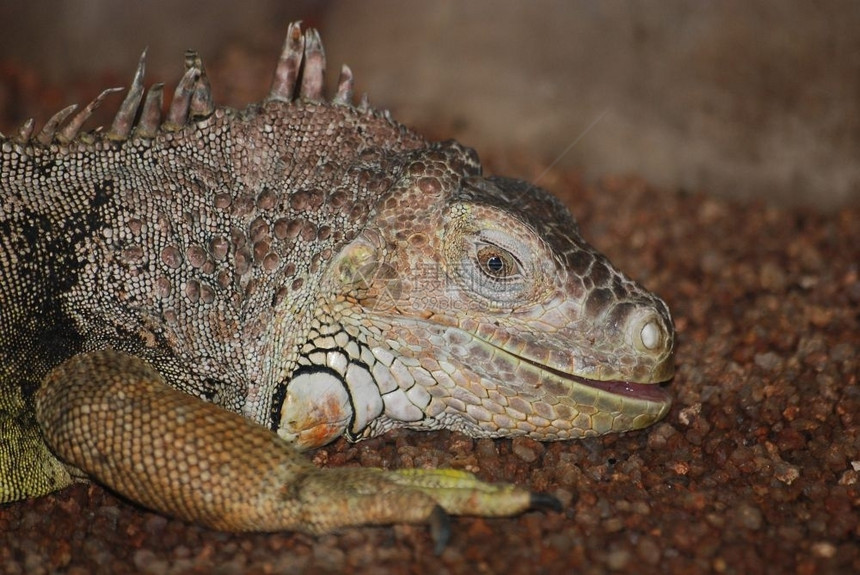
(299,74)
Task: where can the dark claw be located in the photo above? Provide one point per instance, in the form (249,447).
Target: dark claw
(440,529)
(545,501)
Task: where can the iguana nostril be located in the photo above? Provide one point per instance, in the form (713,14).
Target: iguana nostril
(651,335)
(643,327)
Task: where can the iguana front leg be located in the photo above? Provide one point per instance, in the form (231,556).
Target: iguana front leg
(114,417)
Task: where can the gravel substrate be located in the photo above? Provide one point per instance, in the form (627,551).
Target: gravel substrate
(755,469)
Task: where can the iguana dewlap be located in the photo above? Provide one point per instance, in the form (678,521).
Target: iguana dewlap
(187,301)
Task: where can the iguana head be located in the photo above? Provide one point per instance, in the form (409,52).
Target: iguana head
(477,306)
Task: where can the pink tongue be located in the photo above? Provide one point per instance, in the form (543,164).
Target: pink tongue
(646,391)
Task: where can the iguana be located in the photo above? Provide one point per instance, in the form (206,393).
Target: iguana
(188,301)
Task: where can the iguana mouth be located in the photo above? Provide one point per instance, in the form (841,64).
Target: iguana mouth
(651,392)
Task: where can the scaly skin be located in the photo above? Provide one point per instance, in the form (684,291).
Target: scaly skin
(188,302)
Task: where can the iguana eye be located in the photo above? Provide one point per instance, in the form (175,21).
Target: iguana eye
(497,263)
(491,256)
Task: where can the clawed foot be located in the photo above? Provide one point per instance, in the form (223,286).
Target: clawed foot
(461,493)
(351,496)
